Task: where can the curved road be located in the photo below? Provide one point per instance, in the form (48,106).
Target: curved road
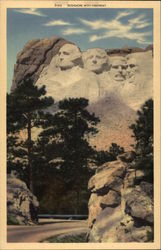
(37,233)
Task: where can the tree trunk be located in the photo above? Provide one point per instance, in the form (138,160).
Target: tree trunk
(78,202)
(77,162)
(29,148)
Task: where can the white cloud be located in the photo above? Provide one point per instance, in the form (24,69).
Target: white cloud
(103,24)
(106,25)
(57,23)
(116,28)
(139,22)
(71,31)
(123,14)
(95,25)
(136,23)
(31,11)
(139,37)
(137,19)
(144,41)
(94,38)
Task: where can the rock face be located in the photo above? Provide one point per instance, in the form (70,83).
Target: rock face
(22,205)
(93,74)
(116,82)
(66,71)
(35,55)
(119,211)
(116,117)
(127,50)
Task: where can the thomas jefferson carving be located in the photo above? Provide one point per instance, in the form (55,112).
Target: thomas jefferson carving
(96,60)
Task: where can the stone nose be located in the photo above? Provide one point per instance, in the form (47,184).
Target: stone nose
(94,60)
(120,69)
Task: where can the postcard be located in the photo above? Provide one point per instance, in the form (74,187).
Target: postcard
(80,124)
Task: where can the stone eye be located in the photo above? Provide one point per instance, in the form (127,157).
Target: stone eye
(132,65)
(65,53)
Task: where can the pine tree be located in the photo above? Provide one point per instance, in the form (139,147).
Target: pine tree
(115,150)
(143,134)
(102,156)
(67,146)
(24,112)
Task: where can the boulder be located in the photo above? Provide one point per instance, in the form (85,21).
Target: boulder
(127,232)
(105,225)
(147,188)
(131,176)
(97,203)
(110,176)
(139,205)
(105,202)
(22,205)
(127,156)
(111,199)
(94,208)
(119,211)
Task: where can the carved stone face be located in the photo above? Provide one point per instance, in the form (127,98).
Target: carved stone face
(118,69)
(132,69)
(95,60)
(69,56)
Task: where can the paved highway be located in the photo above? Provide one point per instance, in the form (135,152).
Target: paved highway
(45,229)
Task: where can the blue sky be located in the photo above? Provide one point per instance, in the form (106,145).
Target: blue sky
(88,28)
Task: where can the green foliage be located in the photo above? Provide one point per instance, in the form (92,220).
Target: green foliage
(24,112)
(64,143)
(12,220)
(17,156)
(114,151)
(150,235)
(58,199)
(106,156)
(24,104)
(143,134)
(77,238)
(101,157)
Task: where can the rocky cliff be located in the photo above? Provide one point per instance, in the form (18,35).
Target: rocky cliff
(38,53)
(22,205)
(126,50)
(116,81)
(35,55)
(119,209)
